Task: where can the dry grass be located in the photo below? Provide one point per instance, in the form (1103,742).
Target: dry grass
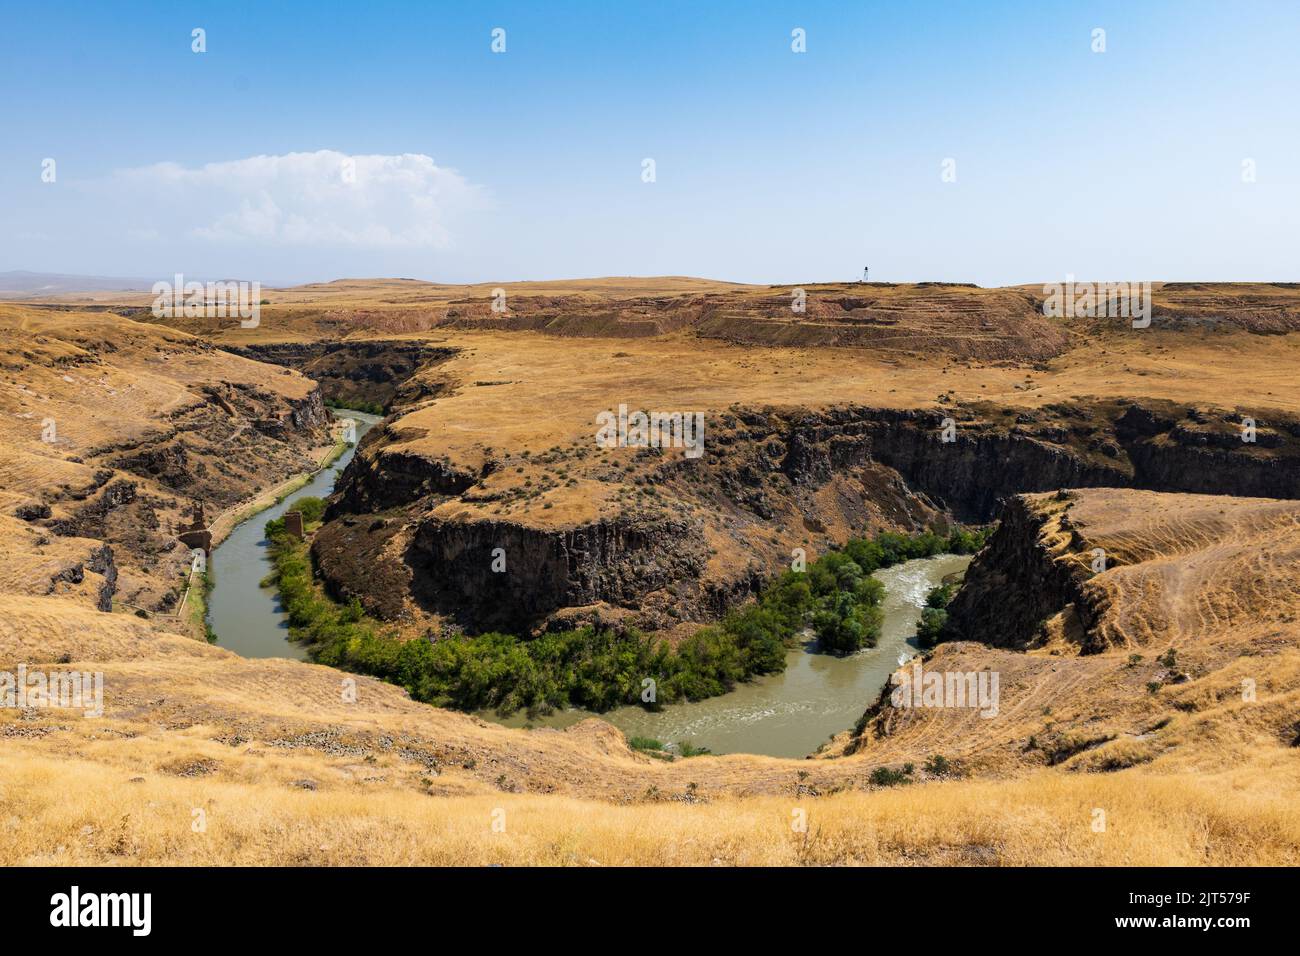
(75,812)
(145,420)
(520,392)
(1210,779)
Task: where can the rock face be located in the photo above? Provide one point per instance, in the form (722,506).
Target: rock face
(773,479)
(1102,569)
(1185,450)
(985,462)
(508,575)
(371,371)
(1018,580)
(375,483)
(1151,446)
(101,563)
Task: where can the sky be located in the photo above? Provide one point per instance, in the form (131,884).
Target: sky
(969,142)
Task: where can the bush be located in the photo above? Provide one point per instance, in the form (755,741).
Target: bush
(591,668)
(310,507)
(930,626)
(940,596)
(934,615)
(645,743)
(885,777)
(939,766)
(356,405)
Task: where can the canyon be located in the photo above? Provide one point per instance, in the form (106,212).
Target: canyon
(1171,674)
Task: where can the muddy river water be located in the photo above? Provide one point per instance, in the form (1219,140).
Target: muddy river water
(247,617)
(792,713)
(783,715)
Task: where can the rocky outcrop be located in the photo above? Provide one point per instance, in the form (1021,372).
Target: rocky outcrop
(366,371)
(88,521)
(772,479)
(101,563)
(1189,450)
(509,575)
(372,484)
(309,414)
(1018,579)
(166,464)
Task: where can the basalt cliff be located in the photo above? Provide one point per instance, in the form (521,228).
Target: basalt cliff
(1138,599)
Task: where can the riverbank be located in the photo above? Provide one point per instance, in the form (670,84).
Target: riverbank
(792,713)
(192,609)
(244,615)
(586,671)
(232,517)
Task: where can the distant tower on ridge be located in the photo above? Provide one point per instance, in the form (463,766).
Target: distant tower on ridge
(865,271)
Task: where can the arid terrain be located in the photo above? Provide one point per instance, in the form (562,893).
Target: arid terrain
(1161,687)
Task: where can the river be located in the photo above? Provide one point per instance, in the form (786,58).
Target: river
(783,715)
(792,713)
(247,617)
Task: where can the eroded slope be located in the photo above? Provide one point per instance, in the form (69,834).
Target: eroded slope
(1183,652)
(113,430)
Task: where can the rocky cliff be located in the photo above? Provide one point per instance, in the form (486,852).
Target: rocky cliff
(655,530)
(1033,566)
(371,371)
(511,575)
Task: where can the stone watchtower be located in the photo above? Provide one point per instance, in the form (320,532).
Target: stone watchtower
(293,524)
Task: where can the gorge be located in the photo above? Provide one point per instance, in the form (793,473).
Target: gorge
(1125,684)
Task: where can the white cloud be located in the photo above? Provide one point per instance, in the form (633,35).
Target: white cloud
(303,199)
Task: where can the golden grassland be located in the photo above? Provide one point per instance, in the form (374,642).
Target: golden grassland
(77,812)
(380,292)
(563,383)
(945,319)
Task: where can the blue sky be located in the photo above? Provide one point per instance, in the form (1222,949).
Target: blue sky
(771,166)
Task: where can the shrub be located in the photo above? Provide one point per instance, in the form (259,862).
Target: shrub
(592,668)
(885,777)
(939,766)
(356,405)
(311,508)
(930,626)
(940,596)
